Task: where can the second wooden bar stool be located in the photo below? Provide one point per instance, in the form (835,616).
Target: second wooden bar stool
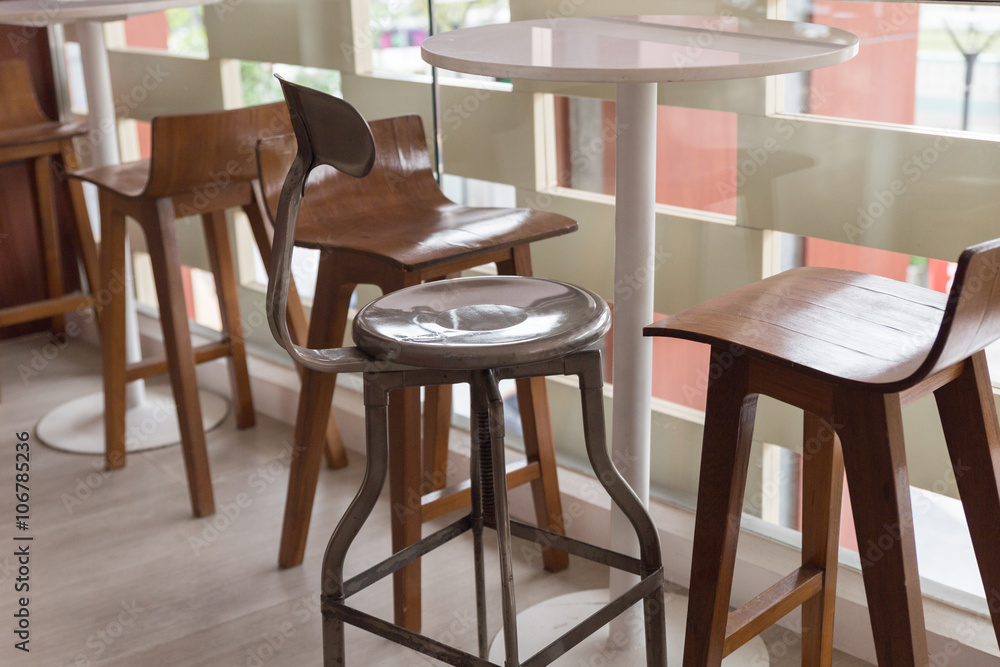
(201,164)
(849,349)
(394,229)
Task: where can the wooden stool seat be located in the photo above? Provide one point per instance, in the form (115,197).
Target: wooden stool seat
(394,229)
(26,133)
(38,133)
(850,350)
(416,238)
(126,180)
(846,327)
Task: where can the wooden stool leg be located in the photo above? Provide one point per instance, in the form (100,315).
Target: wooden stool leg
(336,457)
(969,418)
(729,418)
(221,258)
(111,302)
(822,488)
(329,318)
(437,427)
(539,444)
(871,430)
(165,258)
(405,474)
(84,232)
(49,226)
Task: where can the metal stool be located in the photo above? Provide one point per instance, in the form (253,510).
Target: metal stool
(475,330)
(421,236)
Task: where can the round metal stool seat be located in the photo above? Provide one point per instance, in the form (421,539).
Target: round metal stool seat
(488,322)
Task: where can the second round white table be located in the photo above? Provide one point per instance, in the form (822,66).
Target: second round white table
(636,53)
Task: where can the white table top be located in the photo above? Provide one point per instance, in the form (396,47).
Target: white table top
(45,12)
(639,48)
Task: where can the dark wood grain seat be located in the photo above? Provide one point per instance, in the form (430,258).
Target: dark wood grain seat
(27,134)
(201,165)
(395,228)
(848,327)
(850,350)
(398,213)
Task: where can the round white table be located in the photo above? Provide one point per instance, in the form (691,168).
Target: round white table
(636,53)
(78,426)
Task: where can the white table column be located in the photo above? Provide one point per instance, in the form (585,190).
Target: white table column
(635,236)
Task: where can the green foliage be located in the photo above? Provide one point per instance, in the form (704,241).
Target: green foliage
(186,32)
(260,86)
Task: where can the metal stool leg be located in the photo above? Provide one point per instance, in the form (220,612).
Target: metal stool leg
(376,468)
(487,402)
(592,395)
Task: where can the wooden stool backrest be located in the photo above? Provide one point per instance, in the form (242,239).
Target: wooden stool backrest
(401,176)
(328,131)
(972,317)
(18,104)
(193,151)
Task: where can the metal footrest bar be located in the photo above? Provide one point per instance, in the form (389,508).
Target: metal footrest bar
(448,654)
(414,640)
(406,556)
(591,552)
(597,620)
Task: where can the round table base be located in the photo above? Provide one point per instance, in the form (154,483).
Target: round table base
(78,426)
(539,625)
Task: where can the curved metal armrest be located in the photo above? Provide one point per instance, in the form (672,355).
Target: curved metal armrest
(343,141)
(334,360)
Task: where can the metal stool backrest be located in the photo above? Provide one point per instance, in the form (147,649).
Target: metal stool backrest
(328,131)
(193,151)
(972,317)
(18,104)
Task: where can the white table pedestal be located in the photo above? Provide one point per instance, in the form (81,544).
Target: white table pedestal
(635,53)
(78,426)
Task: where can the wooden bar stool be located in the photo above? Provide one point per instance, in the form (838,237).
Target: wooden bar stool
(849,349)
(395,229)
(201,164)
(475,330)
(27,134)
